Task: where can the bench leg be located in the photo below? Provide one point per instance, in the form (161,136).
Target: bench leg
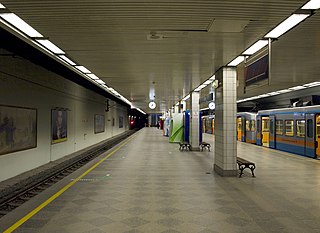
(241,168)
(252,168)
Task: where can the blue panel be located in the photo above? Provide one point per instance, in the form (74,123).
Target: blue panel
(291,148)
(272,144)
(259,143)
(310,152)
(200,127)
(186,125)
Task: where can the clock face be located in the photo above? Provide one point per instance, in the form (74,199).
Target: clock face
(212,105)
(152,105)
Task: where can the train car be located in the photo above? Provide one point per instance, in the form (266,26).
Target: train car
(295,130)
(208,124)
(246,127)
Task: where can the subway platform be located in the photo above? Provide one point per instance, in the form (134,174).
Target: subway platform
(145,184)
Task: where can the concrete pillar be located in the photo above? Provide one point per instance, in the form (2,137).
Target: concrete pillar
(194,114)
(225,163)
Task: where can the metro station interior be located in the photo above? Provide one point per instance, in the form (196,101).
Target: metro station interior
(97,96)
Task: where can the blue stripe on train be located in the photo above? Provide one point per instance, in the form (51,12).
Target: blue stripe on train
(292,149)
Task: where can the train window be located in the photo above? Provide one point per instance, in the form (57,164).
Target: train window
(310,128)
(247,125)
(288,127)
(301,128)
(279,127)
(239,124)
(265,124)
(253,125)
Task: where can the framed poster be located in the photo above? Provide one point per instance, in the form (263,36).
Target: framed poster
(99,123)
(121,122)
(59,123)
(18,129)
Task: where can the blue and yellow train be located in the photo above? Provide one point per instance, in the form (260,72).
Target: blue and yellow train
(295,130)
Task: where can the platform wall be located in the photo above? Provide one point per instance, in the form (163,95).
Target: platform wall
(24,84)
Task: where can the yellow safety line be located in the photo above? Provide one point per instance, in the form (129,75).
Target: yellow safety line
(57,194)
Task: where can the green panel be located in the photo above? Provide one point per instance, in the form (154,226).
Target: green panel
(177,128)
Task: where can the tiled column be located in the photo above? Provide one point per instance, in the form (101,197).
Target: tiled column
(194,121)
(225,163)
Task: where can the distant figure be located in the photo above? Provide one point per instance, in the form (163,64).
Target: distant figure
(158,125)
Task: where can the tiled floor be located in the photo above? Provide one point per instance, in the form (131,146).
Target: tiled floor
(150,186)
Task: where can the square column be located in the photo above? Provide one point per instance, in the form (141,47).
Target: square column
(194,114)
(225,160)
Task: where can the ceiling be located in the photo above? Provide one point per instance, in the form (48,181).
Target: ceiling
(162,50)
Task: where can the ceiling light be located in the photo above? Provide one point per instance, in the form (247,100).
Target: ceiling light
(297,88)
(284,91)
(83,69)
(187,97)
(236,61)
(313,84)
(212,78)
(2,6)
(312,5)
(274,93)
(93,76)
(17,22)
(208,82)
(177,104)
(66,59)
(141,111)
(100,81)
(286,25)
(105,86)
(49,45)
(263,95)
(255,47)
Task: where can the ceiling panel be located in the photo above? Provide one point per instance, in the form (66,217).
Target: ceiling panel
(110,38)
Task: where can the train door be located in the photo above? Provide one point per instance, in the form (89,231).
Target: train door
(272,133)
(310,145)
(239,128)
(318,135)
(265,130)
(259,134)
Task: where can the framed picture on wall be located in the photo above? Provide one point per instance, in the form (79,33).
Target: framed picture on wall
(121,122)
(18,129)
(59,124)
(99,123)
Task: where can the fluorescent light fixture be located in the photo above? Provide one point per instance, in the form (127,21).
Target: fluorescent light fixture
(313,84)
(93,76)
(263,95)
(284,91)
(297,88)
(187,97)
(100,81)
(199,88)
(286,25)
(212,78)
(236,61)
(105,86)
(83,69)
(255,47)
(141,111)
(274,93)
(177,104)
(2,6)
(17,22)
(51,46)
(208,82)
(66,59)
(312,5)
(203,109)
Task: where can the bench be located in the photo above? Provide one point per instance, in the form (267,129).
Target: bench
(243,163)
(184,146)
(205,145)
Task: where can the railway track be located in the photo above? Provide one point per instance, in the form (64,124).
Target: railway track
(13,201)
